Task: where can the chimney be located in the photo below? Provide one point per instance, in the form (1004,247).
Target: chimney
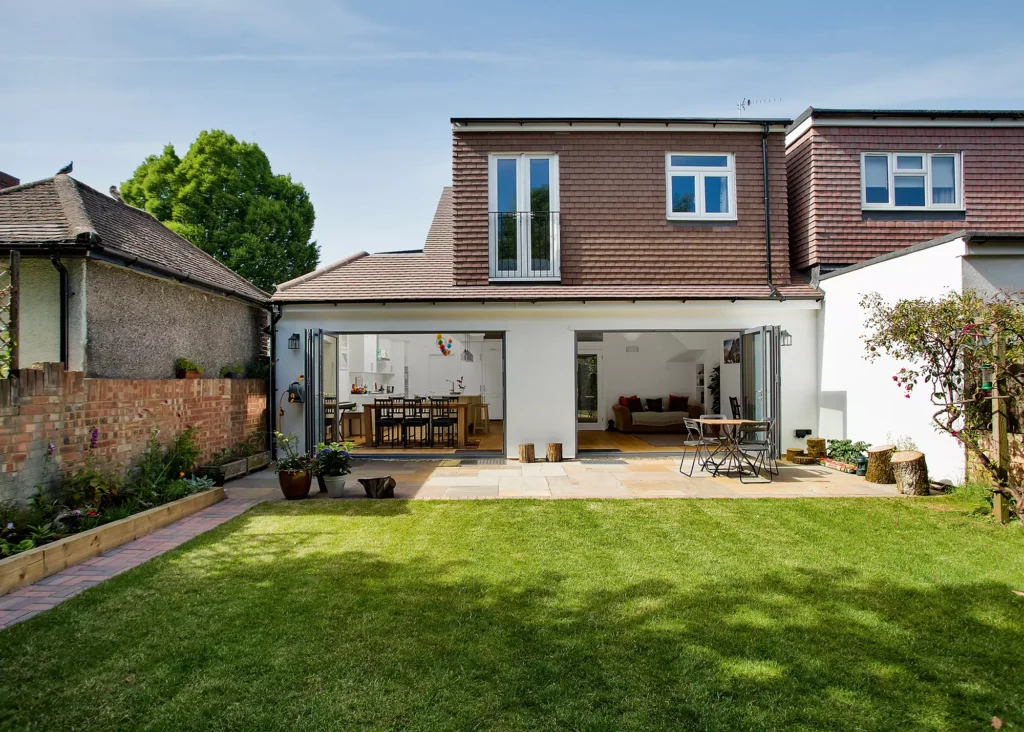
(8,181)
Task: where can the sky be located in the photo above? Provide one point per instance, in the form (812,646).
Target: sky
(353,99)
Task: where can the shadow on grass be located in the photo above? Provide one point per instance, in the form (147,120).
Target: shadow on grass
(307,637)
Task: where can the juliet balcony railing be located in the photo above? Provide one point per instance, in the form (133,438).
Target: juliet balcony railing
(524,245)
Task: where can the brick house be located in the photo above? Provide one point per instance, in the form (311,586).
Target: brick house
(907,204)
(569,256)
(108,290)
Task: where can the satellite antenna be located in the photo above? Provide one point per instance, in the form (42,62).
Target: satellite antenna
(746,103)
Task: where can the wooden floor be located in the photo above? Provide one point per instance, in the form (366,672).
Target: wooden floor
(487,441)
(604,440)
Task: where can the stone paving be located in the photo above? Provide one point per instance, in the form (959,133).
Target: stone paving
(27,601)
(433,479)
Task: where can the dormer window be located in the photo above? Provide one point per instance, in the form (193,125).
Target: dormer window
(700,186)
(911,181)
(523,226)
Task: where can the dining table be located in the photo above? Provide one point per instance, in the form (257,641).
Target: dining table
(461,432)
(728,456)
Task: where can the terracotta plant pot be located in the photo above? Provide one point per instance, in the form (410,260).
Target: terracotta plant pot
(295,485)
(379,487)
(335,485)
(190,374)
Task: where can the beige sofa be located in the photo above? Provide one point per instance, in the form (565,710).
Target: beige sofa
(624,419)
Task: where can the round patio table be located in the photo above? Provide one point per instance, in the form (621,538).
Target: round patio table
(729,443)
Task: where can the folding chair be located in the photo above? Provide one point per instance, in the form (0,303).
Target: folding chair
(756,439)
(696,439)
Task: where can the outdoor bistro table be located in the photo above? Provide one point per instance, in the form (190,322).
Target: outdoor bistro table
(729,444)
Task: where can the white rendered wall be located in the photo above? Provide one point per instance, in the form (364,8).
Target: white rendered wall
(859,400)
(540,350)
(39,313)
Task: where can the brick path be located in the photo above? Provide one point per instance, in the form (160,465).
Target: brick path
(25,602)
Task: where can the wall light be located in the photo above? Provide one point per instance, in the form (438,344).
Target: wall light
(293,342)
(632,349)
(785,338)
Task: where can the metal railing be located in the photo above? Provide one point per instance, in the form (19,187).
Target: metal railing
(524,245)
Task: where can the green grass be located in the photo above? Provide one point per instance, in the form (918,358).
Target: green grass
(766,614)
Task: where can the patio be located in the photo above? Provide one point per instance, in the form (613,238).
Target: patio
(596,478)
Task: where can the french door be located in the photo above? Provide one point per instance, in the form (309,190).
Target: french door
(314,407)
(523,216)
(761,378)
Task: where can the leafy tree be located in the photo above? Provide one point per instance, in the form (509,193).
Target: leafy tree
(223,197)
(947,342)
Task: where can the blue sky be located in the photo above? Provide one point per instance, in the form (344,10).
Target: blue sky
(353,98)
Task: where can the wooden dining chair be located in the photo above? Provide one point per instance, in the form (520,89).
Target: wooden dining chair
(444,417)
(734,404)
(388,423)
(416,416)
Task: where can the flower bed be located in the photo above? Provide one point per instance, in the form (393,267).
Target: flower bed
(35,564)
(838,465)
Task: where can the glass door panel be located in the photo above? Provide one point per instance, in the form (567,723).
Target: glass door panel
(506,224)
(539,206)
(587,365)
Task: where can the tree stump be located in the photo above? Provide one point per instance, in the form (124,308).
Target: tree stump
(379,487)
(911,473)
(815,447)
(794,452)
(879,466)
(554,453)
(526,454)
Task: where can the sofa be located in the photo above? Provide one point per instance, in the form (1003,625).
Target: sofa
(654,421)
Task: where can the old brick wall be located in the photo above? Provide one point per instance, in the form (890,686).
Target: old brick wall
(612,203)
(49,405)
(993,176)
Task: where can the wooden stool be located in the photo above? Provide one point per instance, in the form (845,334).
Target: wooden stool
(479,411)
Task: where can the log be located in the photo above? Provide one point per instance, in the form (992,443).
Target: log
(911,473)
(526,454)
(879,466)
(804,460)
(794,452)
(816,447)
(554,453)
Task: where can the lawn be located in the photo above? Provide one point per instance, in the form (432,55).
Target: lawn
(756,614)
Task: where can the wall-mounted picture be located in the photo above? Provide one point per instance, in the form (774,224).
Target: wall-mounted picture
(731,350)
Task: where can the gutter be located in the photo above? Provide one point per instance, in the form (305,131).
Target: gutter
(275,315)
(64,294)
(767,209)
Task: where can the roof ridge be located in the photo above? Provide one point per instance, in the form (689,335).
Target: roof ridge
(25,186)
(318,272)
(71,203)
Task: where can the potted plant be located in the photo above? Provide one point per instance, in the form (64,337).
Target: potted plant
(294,470)
(257,457)
(226,464)
(232,371)
(843,454)
(333,464)
(186,368)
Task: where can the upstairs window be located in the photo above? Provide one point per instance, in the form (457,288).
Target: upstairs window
(523,216)
(700,186)
(911,181)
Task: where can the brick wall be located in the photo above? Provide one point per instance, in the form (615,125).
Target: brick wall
(50,405)
(612,202)
(834,230)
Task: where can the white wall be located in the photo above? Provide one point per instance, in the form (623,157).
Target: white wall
(39,313)
(540,347)
(859,400)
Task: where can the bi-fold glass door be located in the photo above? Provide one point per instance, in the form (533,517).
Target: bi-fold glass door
(314,407)
(524,226)
(761,379)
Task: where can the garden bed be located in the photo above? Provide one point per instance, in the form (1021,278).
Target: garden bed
(35,564)
(838,465)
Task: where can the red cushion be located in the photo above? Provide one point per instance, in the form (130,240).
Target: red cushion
(677,403)
(633,404)
(622,401)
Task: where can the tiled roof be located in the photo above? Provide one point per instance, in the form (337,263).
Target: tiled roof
(63,212)
(427,277)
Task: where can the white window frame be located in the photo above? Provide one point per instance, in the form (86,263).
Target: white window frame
(699,172)
(929,205)
(525,271)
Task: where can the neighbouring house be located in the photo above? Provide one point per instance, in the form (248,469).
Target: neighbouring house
(572,265)
(108,290)
(7,180)
(908,204)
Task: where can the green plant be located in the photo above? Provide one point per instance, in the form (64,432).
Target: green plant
(88,485)
(714,382)
(231,368)
(292,461)
(8,548)
(900,442)
(333,458)
(181,365)
(258,368)
(846,451)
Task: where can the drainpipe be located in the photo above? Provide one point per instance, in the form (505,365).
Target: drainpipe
(767,210)
(64,293)
(275,315)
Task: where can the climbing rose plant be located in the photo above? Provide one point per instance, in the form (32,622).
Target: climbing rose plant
(945,342)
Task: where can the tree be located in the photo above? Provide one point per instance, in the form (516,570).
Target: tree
(223,197)
(952,345)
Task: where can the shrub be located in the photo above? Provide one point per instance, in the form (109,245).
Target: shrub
(258,368)
(292,461)
(846,451)
(88,485)
(900,442)
(231,368)
(183,364)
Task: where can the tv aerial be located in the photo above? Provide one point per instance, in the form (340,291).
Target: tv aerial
(745,103)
